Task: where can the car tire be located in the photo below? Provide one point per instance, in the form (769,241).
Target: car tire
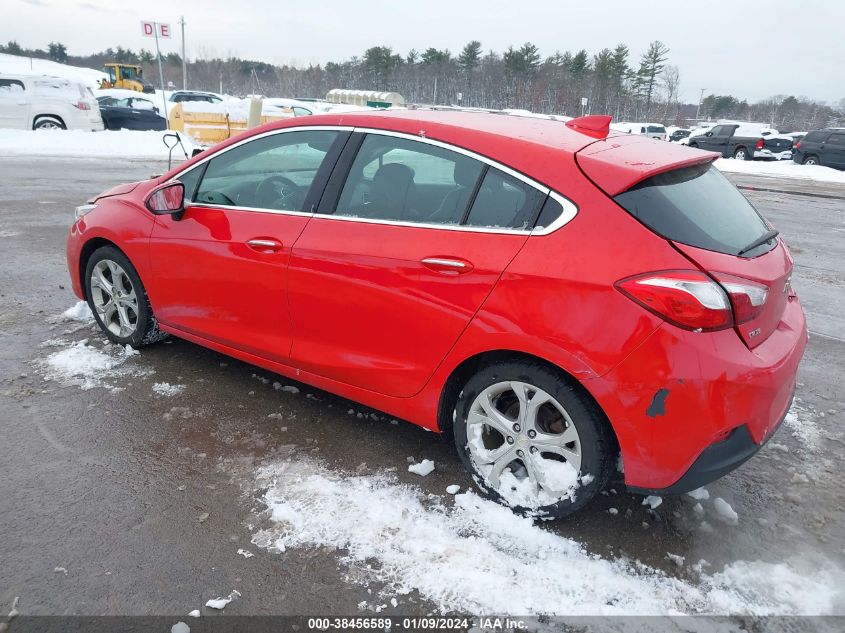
(118,300)
(48,123)
(812,159)
(740,153)
(590,447)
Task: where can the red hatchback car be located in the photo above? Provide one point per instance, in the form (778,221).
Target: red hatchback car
(552,294)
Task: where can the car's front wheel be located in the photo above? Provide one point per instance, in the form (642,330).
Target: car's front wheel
(118,300)
(531,440)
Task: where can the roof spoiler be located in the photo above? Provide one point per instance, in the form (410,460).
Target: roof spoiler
(595,125)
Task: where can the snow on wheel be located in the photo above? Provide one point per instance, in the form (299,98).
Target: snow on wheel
(48,123)
(531,440)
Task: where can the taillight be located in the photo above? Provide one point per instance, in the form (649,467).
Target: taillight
(760,144)
(83,105)
(747,297)
(695,301)
(688,299)
(798,145)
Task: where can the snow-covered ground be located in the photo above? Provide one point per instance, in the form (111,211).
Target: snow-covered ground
(781,169)
(107,144)
(478,557)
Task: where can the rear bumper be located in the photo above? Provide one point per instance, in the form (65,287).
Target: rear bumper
(767,153)
(682,396)
(717,460)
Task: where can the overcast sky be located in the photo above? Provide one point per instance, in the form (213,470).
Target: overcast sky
(749,48)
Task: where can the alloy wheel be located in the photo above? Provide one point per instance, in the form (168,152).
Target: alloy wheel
(524,444)
(114,298)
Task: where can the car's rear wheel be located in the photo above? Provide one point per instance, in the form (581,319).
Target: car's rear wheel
(811,160)
(741,154)
(118,300)
(49,123)
(531,440)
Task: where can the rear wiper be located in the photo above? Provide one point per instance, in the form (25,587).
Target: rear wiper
(765,237)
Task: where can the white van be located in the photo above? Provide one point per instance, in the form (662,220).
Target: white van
(41,102)
(651,130)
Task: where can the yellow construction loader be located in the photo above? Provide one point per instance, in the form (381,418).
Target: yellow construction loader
(126,76)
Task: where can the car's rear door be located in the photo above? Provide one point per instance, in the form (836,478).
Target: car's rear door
(834,151)
(219,269)
(409,239)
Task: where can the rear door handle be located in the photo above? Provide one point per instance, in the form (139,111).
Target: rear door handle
(449,265)
(264,245)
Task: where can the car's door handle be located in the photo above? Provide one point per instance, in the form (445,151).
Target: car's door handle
(264,245)
(448,265)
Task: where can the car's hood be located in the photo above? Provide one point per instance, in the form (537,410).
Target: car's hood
(119,190)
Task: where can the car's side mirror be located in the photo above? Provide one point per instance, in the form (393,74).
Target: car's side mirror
(168,199)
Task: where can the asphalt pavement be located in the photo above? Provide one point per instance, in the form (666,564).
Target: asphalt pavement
(130,502)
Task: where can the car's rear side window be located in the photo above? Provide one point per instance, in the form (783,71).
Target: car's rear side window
(10,85)
(816,136)
(503,201)
(836,139)
(697,206)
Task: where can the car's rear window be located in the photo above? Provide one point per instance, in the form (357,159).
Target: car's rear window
(697,206)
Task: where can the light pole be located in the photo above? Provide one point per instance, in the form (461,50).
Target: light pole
(698,109)
(184,62)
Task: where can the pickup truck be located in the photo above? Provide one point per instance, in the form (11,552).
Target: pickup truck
(743,143)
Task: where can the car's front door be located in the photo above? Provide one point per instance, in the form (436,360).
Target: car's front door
(402,253)
(219,270)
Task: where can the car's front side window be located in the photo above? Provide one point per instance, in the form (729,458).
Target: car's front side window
(405,180)
(273,172)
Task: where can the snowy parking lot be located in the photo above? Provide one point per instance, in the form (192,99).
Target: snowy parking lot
(177,479)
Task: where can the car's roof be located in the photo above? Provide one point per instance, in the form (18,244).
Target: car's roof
(543,149)
(453,125)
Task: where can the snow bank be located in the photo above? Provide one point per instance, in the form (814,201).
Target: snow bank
(18,65)
(108,144)
(478,557)
(781,169)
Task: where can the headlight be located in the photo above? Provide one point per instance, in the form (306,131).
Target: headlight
(82,210)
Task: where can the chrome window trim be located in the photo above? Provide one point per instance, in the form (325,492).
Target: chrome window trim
(569,209)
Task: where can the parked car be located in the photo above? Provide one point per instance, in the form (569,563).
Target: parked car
(192,95)
(40,102)
(651,130)
(132,113)
(543,297)
(822,147)
(298,108)
(678,134)
(743,142)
